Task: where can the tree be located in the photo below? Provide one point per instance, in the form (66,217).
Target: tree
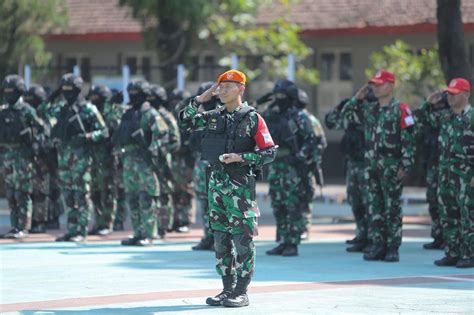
(172,26)
(452,52)
(22,22)
(418,73)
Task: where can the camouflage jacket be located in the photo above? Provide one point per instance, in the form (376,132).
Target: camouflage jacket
(321,142)
(388,133)
(456,138)
(174,136)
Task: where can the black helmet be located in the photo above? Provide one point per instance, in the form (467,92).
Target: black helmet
(157,96)
(71,86)
(99,94)
(138,90)
(35,95)
(286,87)
(303,98)
(13,87)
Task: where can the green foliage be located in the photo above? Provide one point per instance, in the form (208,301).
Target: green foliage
(233,24)
(22,22)
(418,73)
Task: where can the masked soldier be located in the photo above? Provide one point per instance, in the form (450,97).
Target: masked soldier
(80,124)
(45,185)
(389,156)
(315,163)
(158,100)
(201,172)
(141,139)
(291,190)
(232,132)
(456,171)
(352,146)
(103,188)
(18,122)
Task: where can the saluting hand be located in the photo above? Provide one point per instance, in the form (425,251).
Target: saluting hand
(435,98)
(208,94)
(362,93)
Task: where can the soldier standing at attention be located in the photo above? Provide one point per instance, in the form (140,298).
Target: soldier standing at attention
(17,121)
(79,125)
(232,134)
(389,157)
(140,139)
(456,172)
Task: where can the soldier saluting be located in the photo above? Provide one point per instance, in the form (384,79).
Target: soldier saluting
(236,142)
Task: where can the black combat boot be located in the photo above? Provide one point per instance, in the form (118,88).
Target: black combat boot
(377,253)
(229,284)
(16,234)
(354,240)
(239,297)
(131,241)
(465,263)
(447,261)
(77,238)
(368,248)
(356,247)
(392,255)
(38,227)
(144,242)
(290,250)
(277,250)
(65,238)
(436,244)
(206,243)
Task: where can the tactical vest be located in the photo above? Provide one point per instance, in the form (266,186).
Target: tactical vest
(221,136)
(70,123)
(282,135)
(129,131)
(14,129)
(353,143)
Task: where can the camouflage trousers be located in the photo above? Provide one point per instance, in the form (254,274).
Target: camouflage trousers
(384,194)
(142,190)
(183,191)
(432,198)
(75,178)
(288,201)
(233,216)
(18,172)
(202,207)
(456,205)
(166,211)
(121,201)
(103,194)
(41,191)
(357,197)
(56,201)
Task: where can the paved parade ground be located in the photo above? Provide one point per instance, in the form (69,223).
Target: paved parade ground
(101,277)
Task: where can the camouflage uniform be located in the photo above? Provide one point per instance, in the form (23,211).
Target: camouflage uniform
(353,148)
(431,135)
(103,187)
(140,139)
(233,209)
(389,145)
(456,196)
(17,120)
(202,202)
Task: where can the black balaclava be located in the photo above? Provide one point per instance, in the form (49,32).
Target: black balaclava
(303,99)
(13,88)
(290,90)
(213,102)
(138,90)
(71,86)
(98,95)
(158,97)
(35,95)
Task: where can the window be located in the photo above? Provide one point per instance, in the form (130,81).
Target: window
(70,64)
(345,67)
(86,69)
(146,68)
(131,62)
(327,66)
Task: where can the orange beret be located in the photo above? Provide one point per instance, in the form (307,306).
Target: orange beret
(232,76)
